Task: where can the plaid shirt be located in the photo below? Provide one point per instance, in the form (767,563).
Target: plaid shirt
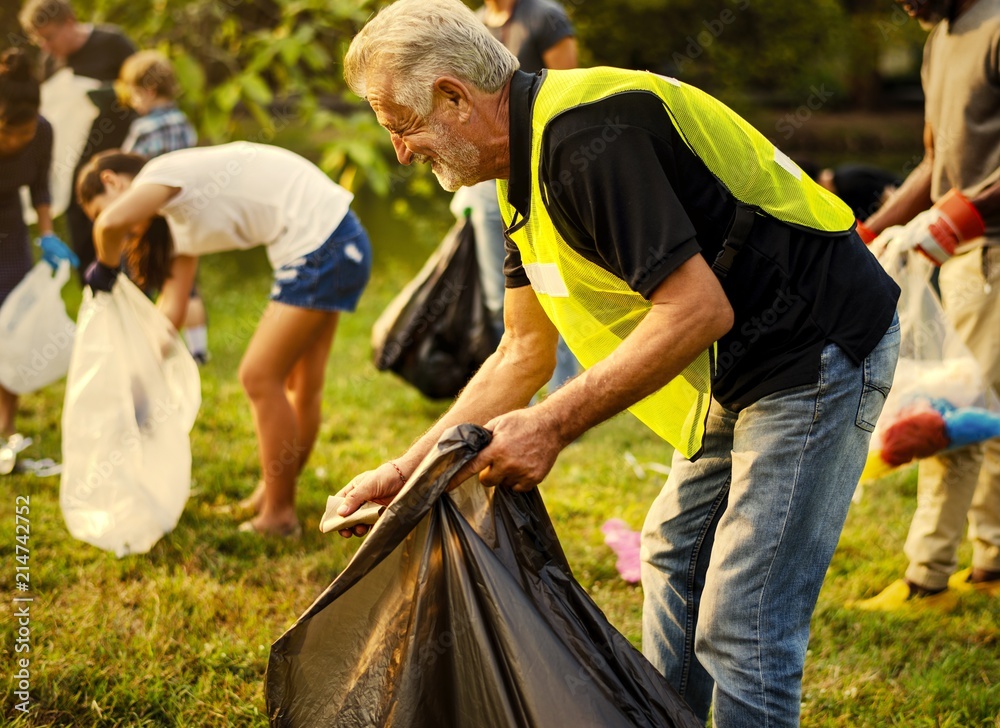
(162,130)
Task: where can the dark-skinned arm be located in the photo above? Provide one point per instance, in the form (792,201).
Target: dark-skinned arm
(987,202)
(561,56)
(912,197)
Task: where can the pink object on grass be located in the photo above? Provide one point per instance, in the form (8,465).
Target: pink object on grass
(625,543)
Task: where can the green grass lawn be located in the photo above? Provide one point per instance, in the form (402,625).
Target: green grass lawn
(180,637)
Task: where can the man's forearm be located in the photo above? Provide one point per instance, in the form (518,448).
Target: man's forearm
(506,381)
(689,313)
(655,353)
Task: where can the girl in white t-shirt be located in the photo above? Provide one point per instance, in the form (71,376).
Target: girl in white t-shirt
(230,197)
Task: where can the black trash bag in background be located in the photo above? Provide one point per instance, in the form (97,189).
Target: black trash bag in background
(437,332)
(461,612)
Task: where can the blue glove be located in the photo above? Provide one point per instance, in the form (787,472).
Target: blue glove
(101,277)
(55,250)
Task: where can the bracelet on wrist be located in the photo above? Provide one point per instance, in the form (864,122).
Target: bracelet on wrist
(399,472)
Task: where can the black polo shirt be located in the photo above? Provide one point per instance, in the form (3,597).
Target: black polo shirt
(628,194)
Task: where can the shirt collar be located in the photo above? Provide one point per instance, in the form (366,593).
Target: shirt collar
(523,89)
(161,110)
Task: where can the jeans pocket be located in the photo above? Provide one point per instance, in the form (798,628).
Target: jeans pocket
(878,370)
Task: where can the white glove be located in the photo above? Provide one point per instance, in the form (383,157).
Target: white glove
(891,245)
(937,232)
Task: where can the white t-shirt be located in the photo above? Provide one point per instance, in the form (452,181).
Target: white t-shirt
(241,195)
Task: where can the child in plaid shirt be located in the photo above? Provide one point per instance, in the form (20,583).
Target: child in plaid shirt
(147,83)
(149,86)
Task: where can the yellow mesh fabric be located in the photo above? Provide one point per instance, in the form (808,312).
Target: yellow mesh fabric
(595,310)
(721,138)
(597,313)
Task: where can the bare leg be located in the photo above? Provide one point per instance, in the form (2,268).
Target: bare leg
(195,312)
(304,390)
(8,412)
(284,335)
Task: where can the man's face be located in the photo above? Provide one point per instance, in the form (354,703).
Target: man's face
(56,38)
(436,140)
(926,11)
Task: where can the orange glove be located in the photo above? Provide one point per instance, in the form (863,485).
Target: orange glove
(864,232)
(938,231)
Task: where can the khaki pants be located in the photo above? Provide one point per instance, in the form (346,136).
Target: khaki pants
(965,482)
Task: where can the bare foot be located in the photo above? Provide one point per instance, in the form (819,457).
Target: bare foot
(282,528)
(255,500)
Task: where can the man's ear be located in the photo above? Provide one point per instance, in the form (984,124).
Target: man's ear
(454,95)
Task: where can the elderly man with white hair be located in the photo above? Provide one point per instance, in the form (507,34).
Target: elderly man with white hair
(704,282)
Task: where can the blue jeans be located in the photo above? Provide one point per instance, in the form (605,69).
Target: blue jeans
(484,212)
(736,545)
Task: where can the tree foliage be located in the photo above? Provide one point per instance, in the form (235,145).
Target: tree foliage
(254,68)
(746,49)
(277,62)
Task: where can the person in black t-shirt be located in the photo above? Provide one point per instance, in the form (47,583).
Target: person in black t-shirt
(96,52)
(615,229)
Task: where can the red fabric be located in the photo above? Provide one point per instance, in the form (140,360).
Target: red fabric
(865,232)
(961,215)
(916,435)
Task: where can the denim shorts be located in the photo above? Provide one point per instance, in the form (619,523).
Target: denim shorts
(330,278)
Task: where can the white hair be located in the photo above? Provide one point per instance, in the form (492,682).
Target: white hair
(415,42)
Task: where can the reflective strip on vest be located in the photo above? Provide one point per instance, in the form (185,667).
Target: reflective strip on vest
(593,309)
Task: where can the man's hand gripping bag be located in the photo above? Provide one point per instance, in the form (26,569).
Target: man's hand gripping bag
(460,610)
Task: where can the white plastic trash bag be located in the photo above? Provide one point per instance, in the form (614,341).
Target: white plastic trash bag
(940,397)
(36,333)
(66,105)
(131,399)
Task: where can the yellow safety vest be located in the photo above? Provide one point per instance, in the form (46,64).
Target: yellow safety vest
(593,309)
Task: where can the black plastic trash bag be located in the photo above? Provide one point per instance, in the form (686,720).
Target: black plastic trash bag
(461,612)
(437,332)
